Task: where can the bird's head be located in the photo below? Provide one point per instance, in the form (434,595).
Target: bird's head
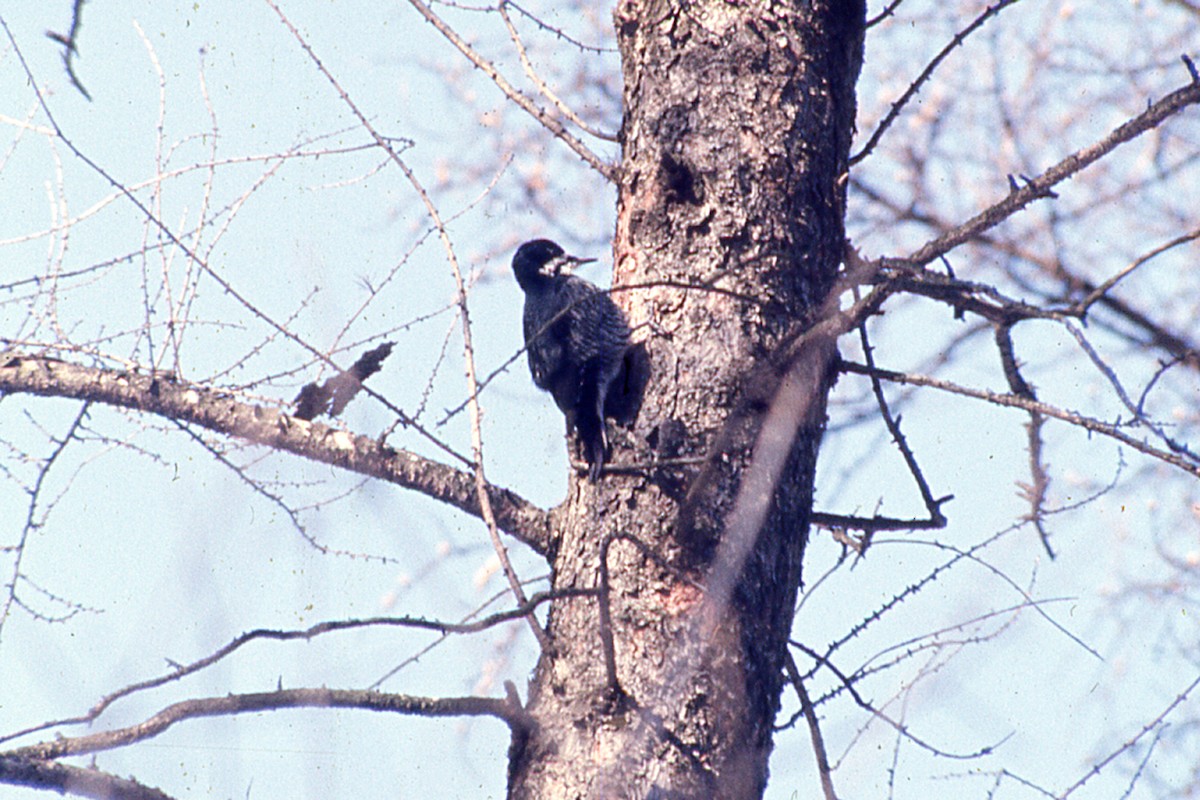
(541,259)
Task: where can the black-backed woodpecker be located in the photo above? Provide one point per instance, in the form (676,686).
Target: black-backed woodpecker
(576,339)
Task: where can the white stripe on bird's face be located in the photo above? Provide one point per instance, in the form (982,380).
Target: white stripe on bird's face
(563,265)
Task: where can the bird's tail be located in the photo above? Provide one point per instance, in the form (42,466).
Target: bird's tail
(589,418)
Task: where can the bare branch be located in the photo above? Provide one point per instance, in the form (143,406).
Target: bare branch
(1039,478)
(874,523)
(814,727)
(559,33)
(31,518)
(90,782)
(550,123)
(482,487)
(1095,294)
(420,623)
(936,518)
(900,727)
(232,704)
(888,11)
(925,74)
(473,618)
(1135,409)
(1174,343)
(212,409)
(1039,187)
(970,554)
(70,44)
(546,91)
(1149,726)
(1014,401)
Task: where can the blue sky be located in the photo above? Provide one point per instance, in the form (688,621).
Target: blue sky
(177,555)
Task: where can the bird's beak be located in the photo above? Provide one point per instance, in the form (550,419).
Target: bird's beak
(569,263)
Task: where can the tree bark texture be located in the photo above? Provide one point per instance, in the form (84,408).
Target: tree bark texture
(738,120)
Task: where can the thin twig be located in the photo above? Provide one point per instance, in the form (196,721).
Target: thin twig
(934,507)
(1135,409)
(1040,186)
(882,15)
(541,85)
(1086,303)
(1024,403)
(1149,726)
(558,32)
(70,44)
(31,521)
(277,501)
(482,487)
(232,704)
(814,727)
(1035,491)
(925,74)
(897,726)
(375,291)
(547,121)
(191,254)
(304,634)
(417,655)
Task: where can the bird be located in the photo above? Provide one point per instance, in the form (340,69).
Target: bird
(576,340)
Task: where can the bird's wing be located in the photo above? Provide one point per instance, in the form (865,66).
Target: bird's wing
(597,327)
(545,342)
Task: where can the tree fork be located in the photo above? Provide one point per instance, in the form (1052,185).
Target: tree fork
(737,128)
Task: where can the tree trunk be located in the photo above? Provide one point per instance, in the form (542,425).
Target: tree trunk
(738,120)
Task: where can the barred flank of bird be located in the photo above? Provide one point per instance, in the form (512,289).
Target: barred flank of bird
(576,339)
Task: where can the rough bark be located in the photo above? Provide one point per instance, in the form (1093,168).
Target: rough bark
(736,134)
